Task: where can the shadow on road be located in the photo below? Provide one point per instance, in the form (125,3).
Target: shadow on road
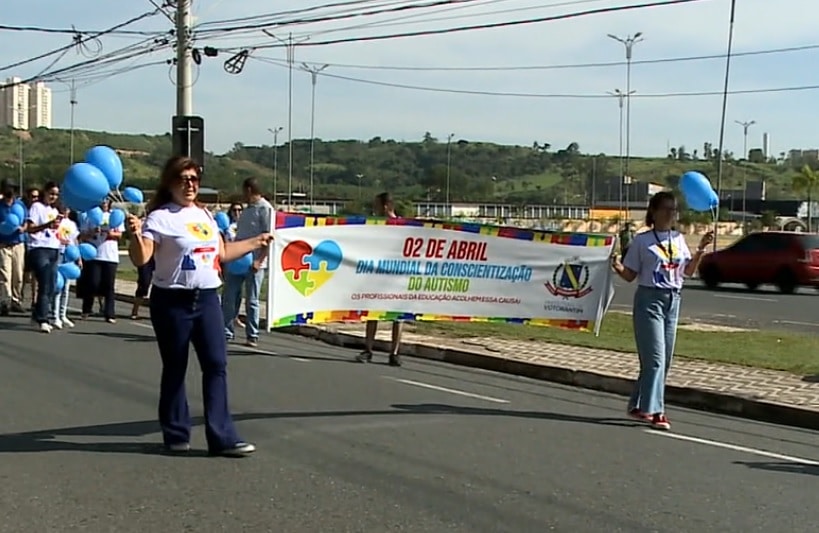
(48,440)
(785,468)
(244,353)
(117,335)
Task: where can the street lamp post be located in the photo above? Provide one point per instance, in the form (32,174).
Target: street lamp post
(745,127)
(314,72)
(290,45)
(621,96)
(275,131)
(628,43)
(448,166)
(360,177)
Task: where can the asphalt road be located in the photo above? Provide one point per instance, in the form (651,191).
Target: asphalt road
(736,306)
(345,447)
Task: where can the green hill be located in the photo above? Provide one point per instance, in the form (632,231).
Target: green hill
(351,169)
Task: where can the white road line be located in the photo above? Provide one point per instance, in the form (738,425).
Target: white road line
(752,298)
(797,323)
(450,391)
(735,447)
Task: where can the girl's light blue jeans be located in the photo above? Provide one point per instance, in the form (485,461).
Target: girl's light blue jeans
(655,317)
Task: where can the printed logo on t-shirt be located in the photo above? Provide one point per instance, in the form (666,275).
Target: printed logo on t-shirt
(670,261)
(200,230)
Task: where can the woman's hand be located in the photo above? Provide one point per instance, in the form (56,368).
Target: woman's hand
(616,264)
(264,240)
(134,225)
(707,240)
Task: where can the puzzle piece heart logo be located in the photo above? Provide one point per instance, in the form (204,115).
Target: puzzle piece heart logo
(307,268)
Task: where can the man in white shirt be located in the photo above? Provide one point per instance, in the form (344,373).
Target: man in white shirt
(254,221)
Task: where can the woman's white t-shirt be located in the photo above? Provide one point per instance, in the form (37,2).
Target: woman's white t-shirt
(39,214)
(107,249)
(67,233)
(186,253)
(659,258)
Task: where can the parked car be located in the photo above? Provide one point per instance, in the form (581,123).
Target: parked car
(785,259)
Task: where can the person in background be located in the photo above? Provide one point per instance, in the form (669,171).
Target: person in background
(625,237)
(99,275)
(44,252)
(12,256)
(254,221)
(145,274)
(658,259)
(383,206)
(184,240)
(32,196)
(234,212)
(68,233)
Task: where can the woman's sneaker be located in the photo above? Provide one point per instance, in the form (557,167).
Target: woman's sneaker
(67,323)
(240,449)
(660,421)
(638,415)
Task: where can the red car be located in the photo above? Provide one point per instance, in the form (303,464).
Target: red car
(782,258)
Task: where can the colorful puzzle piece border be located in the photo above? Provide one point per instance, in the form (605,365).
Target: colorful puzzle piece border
(294,220)
(324,317)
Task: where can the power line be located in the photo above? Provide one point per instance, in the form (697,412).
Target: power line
(342,16)
(493,25)
(74,31)
(606,64)
(78,40)
(549,95)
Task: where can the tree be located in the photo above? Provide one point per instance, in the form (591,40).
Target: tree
(804,183)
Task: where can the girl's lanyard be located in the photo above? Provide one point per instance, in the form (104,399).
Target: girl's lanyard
(667,252)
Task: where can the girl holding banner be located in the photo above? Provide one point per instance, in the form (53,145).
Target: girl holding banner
(658,259)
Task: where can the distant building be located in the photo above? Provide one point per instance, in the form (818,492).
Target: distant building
(24,107)
(39,98)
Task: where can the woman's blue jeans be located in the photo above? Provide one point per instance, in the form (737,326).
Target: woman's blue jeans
(44,263)
(655,317)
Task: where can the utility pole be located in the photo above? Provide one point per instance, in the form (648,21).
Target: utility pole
(628,43)
(360,177)
(184,59)
(74,102)
(290,45)
(745,127)
(448,169)
(621,96)
(314,72)
(20,162)
(275,131)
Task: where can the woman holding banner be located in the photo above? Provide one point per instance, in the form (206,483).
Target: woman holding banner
(658,259)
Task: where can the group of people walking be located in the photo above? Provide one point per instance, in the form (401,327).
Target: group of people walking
(181,252)
(33,252)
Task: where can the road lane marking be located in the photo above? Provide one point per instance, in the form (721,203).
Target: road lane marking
(735,447)
(752,298)
(797,323)
(450,391)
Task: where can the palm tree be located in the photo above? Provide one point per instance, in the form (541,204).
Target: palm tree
(804,183)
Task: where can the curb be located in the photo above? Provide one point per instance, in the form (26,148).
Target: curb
(690,397)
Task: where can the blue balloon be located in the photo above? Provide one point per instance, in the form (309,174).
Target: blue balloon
(18,209)
(11,224)
(241,266)
(133,195)
(69,270)
(71,253)
(699,195)
(116,218)
(108,162)
(86,182)
(8,229)
(95,216)
(59,283)
(222,221)
(87,251)
(76,204)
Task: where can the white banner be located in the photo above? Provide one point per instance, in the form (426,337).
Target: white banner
(332,269)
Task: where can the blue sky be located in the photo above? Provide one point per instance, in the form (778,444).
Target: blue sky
(241,108)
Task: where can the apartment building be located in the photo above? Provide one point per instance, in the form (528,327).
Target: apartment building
(23,106)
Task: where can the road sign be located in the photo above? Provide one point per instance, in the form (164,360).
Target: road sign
(188,135)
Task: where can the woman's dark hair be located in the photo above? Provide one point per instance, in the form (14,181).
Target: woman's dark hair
(171,173)
(654,204)
(47,187)
(231,207)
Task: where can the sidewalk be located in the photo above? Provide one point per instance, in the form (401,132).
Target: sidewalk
(765,395)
